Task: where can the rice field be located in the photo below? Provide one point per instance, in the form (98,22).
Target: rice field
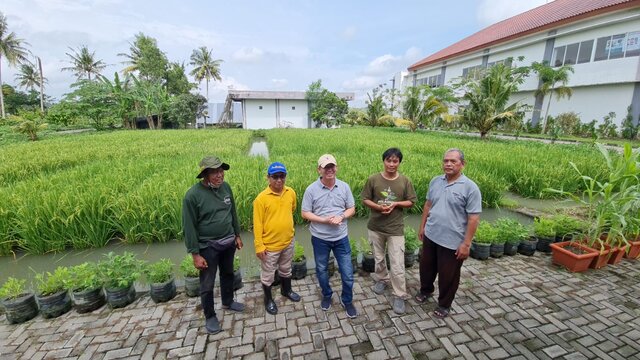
(83,191)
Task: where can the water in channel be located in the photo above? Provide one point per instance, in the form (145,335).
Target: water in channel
(259,148)
(26,266)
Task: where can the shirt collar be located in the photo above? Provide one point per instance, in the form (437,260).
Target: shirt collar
(460,180)
(271,192)
(322,186)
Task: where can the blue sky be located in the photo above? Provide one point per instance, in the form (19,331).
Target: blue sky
(265,45)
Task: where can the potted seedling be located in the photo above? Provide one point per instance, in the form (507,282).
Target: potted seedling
(544,230)
(119,272)
(411,245)
(85,284)
(368,260)
(237,274)
(191,276)
(355,253)
(299,263)
(567,227)
(19,303)
(484,237)
(162,284)
(52,294)
(512,233)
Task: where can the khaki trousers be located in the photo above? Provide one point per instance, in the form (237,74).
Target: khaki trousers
(276,260)
(395,245)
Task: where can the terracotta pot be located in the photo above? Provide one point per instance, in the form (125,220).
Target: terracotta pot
(634,250)
(570,260)
(617,254)
(603,257)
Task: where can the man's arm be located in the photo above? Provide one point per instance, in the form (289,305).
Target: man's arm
(258,229)
(472,225)
(423,221)
(190,228)
(234,216)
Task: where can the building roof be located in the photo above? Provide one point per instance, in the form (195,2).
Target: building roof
(542,18)
(279,95)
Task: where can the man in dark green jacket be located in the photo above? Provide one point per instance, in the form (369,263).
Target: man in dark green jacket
(212,235)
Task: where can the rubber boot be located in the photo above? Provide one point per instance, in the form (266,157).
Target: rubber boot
(269,304)
(286,290)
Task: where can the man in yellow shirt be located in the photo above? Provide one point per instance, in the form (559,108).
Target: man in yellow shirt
(273,234)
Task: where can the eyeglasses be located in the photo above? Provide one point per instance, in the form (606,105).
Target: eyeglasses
(278,176)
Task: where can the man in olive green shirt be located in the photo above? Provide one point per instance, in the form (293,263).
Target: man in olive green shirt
(387,193)
(212,235)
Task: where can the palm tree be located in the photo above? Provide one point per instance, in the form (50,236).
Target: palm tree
(83,62)
(27,76)
(205,66)
(549,80)
(11,47)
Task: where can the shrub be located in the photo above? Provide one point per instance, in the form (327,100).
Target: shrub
(628,129)
(355,248)
(298,252)
(12,289)
(83,277)
(365,247)
(411,241)
(510,230)
(566,225)
(486,233)
(186,267)
(49,284)
(607,128)
(120,271)
(568,122)
(544,227)
(159,272)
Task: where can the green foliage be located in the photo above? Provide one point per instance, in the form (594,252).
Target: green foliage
(365,246)
(486,233)
(176,79)
(50,283)
(15,100)
(298,252)
(185,108)
(93,100)
(487,97)
(62,113)
(146,59)
(158,272)
(83,62)
(205,67)
(120,271)
(568,122)
(355,117)
(236,263)
(354,246)
(510,231)
(13,289)
(411,241)
(544,227)
(422,105)
(608,128)
(565,225)
(376,107)
(30,124)
(553,81)
(628,129)
(326,108)
(186,267)
(85,276)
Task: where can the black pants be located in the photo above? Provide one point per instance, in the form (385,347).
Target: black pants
(222,260)
(440,261)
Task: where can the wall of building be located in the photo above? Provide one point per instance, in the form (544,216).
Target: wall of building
(294,113)
(260,114)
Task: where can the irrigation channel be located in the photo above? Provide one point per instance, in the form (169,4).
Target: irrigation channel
(25,266)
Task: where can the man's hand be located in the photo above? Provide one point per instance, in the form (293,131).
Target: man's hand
(463,251)
(261,255)
(199,262)
(335,220)
(421,235)
(387,208)
(238,242)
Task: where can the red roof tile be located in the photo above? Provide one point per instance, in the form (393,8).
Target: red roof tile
(544,17)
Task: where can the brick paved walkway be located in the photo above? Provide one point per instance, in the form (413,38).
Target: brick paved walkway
(513,307)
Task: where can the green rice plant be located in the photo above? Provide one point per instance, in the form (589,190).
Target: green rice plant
(158,272)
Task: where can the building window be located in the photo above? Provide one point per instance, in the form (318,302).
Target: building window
(616,47)
(472,71)
(293,108)
(571,54)
(633,44)
(602,49)
(260,107)
(558,59)
(584,55)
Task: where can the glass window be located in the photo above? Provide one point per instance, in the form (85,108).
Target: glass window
(602,49)
(571,55)
(633,44)
(558,56)
(584,56)
(616,47)
(293,108)
(260,107)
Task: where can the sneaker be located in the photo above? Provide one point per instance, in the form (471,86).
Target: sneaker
(325,304)
(398,306)
(234,306)
(350,309)
(379,287)
(212,325)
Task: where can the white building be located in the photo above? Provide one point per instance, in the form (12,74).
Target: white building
(271,109)
(599,38)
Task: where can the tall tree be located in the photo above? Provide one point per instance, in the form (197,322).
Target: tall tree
(205,66)
(325,107)
(376,107)
(553,81)
(28,77)
(176,79)
(146,59)
(421,106)
(11,48)
(83,63)
(487,97)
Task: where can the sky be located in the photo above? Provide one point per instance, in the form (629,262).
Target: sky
(282,45)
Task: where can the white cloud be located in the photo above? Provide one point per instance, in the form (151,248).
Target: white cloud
(492,11)
(279,83)
(364,82)
(218,90)
(248,55)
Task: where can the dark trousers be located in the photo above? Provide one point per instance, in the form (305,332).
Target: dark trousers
(222,260)
(440,261)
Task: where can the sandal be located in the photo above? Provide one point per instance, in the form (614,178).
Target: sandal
(422,298)
(441,312)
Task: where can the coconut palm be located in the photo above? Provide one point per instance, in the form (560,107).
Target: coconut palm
(205,66)
(83,62)
(552,81)
(421,106)
(27,76)
(11,48)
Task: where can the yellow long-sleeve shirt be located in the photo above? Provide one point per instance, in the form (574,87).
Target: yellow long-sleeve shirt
(273,219)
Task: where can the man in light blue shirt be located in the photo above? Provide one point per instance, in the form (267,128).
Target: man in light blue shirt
(327,204)
(449,222)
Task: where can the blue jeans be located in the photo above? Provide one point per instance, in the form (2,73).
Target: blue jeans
(342,253)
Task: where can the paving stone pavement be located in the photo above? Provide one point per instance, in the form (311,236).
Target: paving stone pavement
(513,307)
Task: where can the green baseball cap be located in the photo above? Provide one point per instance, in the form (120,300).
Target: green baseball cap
(211,162)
